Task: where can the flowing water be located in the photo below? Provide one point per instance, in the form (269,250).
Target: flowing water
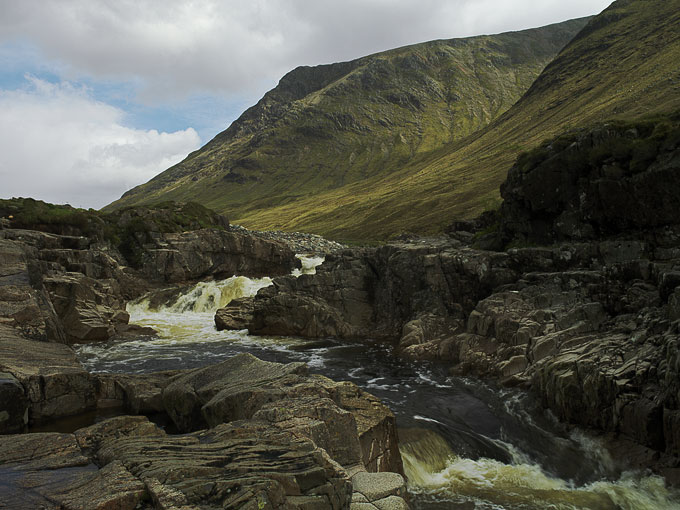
(466,444)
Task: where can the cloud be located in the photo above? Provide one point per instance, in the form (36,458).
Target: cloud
(60,145)
(173,48)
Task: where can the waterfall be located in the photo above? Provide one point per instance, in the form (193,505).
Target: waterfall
(437,474)
(204,297)
(207,297)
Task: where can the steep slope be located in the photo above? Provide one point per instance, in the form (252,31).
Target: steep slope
(624,64)
(330,126)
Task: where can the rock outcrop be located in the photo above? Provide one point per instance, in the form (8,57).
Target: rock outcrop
(73,289)
(190,256)
(615,179)
(350,424)
(41,381)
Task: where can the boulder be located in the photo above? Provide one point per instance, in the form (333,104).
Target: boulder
(352,425)
(182,257)
(53,381)
(237,315)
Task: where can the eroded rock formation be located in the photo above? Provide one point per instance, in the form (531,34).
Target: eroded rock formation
(73,289)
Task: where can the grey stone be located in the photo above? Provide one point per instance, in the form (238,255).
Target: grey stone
(391,503)
(376,486)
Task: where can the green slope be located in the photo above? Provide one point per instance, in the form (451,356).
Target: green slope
(328,127)
(624,64)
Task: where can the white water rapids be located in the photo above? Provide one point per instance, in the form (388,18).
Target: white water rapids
(434,410)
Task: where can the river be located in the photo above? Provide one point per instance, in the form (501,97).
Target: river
(466,444)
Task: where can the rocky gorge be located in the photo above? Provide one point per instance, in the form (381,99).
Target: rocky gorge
(570,290)
(565,296)
(254,434)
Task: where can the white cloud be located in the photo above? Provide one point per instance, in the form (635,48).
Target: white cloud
(177,47)
(60,145)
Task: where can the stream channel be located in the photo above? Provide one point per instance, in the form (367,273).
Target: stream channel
(466,444)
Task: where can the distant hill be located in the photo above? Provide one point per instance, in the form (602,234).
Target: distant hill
(335,129)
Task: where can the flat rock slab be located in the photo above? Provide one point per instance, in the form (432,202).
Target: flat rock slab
(377,486)
(232,390)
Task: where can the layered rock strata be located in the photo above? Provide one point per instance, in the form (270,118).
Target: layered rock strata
(129,463)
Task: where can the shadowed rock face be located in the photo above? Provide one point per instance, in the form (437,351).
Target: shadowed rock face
(614,179)
(52,381)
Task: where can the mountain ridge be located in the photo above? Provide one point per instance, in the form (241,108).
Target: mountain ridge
(589,82)
(325,127)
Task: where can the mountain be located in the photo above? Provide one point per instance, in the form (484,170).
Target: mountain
(622,65)
(327,127)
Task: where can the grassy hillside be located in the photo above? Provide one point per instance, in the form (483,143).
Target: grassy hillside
(325,128)
(624,64)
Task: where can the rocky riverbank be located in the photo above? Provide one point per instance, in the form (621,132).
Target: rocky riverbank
(73,289)
(576,295)
(254,434)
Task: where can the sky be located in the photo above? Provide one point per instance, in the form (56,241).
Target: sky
(98,96)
